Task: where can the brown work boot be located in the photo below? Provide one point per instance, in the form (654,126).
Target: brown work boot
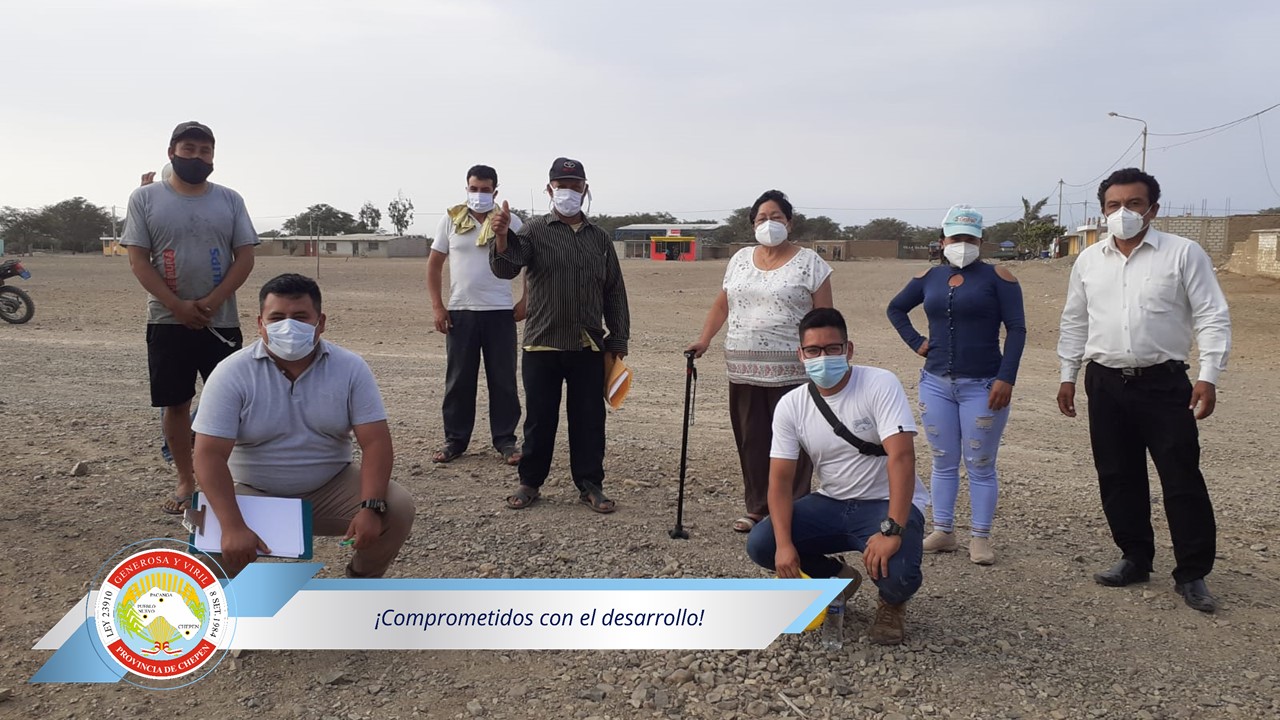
(855,581)
(887,629)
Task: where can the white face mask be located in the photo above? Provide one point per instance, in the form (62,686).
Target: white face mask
(961,254)
(291,339)
(566,202)
(481,202)
(1125,223)
(771,233)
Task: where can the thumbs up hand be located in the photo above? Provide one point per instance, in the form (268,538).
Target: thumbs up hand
(502,221)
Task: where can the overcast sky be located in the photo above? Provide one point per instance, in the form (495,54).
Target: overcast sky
(855,109)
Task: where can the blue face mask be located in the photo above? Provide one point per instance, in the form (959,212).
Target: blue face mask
(826,371)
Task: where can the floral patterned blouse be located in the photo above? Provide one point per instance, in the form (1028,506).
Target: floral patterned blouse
(765,308)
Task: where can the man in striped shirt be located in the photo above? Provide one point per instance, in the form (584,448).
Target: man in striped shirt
(574,283)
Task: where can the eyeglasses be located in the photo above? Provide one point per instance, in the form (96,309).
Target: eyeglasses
(813,351)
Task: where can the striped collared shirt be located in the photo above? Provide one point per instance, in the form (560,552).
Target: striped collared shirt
(574,282)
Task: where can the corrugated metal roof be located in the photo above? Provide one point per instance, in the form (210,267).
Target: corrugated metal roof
(672,226)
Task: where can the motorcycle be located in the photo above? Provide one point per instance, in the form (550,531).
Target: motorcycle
(16,306)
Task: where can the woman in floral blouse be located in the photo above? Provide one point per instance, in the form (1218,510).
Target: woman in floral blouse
(767,290)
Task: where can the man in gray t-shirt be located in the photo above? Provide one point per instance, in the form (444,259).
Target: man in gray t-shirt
(190,245)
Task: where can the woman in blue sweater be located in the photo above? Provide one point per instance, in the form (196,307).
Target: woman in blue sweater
(966,382)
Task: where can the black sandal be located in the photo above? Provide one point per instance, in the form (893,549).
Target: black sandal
(511,455)
(523,497)
(594,498)
(447,454)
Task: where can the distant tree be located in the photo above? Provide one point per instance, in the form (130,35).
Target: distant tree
(737,228)
(850,232)
(1035,230)
(886,229)
(999,233)
(524,215)
(23,231)
(77,225)
(809,229)
(610,223)
(1270,211)
(322,219)
(400,213)
(925,235)
(370,217)
(270,234)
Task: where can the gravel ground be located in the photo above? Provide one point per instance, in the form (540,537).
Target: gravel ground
(1030,637)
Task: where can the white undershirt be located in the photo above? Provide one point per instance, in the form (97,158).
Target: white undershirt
(472,284)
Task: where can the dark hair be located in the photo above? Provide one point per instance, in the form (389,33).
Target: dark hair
(1128,176)
(290,285)
(483,172)
(774,195)
(824,318)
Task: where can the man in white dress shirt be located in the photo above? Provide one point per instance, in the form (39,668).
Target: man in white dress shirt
(1134,301)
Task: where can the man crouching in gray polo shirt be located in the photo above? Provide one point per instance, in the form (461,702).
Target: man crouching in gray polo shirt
(276,419)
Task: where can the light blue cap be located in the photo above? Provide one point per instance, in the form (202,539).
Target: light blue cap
(962,220)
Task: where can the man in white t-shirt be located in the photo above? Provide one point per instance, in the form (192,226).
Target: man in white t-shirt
(868,497)
(480,319)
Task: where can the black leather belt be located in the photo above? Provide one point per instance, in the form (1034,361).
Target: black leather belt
(1164,368)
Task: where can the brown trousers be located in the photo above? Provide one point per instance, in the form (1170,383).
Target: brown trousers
(751,414)
(334,505)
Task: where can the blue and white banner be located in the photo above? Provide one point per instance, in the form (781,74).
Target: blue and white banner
(280,606)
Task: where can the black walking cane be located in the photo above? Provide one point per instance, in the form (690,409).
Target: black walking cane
(690,391)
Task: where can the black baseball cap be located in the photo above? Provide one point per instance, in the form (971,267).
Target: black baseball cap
(566,168)
(189,128)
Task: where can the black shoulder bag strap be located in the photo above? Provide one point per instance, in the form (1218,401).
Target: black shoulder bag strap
(863,446)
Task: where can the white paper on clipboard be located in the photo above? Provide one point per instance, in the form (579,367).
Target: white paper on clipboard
(278,521)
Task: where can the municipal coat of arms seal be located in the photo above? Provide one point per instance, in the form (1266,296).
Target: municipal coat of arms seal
(161,614)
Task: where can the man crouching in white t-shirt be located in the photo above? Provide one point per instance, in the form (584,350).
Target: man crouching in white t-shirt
(868,499)
(277,418)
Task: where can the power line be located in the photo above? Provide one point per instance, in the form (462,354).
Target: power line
(1196,139)
(1223,125)
(907,209)
(1104,172)
(1263,143)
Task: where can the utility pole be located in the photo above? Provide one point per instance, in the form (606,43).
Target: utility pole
(1060,201)
(115,239)
(1144,136)
(1144,148)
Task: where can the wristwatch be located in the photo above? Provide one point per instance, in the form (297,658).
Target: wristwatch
(378,506)
(889,527)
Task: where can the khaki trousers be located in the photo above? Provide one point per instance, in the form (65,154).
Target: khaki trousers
(334,504)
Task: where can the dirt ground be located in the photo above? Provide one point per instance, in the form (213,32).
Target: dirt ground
(1032,636)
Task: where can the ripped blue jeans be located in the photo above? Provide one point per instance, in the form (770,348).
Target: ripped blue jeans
(959,424)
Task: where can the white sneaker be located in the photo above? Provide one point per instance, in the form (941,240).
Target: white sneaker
(939,541)
(980,552)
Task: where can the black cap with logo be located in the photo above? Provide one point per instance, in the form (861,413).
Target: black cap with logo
(564,168)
